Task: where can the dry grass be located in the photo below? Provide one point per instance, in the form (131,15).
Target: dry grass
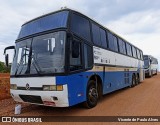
(4,86)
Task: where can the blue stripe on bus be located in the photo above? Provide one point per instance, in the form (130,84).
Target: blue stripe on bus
(77,83)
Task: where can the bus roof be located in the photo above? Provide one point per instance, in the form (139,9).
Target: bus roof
(68,9)
(103,27)
(149,56)
(44,15)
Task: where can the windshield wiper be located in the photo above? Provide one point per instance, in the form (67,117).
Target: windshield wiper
(29,61)
(37,67)
(34,64)
(19,64)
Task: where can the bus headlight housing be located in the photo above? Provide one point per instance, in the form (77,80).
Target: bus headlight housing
(52,87)
(13,86)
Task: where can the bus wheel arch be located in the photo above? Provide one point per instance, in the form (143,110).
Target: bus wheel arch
(98,80)
(94,84)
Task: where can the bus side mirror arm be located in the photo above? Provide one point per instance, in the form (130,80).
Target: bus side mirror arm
(6,55)
(150,61)
(7,60)
(7,48)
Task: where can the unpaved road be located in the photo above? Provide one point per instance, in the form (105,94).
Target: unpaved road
(4,86)
(142,100)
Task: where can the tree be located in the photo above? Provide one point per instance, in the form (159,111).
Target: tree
(3,68)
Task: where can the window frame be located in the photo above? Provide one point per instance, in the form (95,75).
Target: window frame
(106,42)
(101,43)
(110,41)
(84,17)
(134,52)
(130,50)
(81,53)
(98,33)
(116,48)
(122,46)
(141,53)
(89,58)
(138,54)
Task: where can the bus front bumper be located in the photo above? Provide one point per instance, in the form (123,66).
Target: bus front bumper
(47,98)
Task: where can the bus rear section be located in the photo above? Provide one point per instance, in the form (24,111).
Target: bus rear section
(150,65)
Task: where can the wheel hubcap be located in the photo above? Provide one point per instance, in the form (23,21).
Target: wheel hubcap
(93,95)
(134,82)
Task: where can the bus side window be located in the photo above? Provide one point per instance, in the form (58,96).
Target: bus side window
(141,53)
(115,43)
(129,50)
(80,26)
(122,47)
(75,55)
(88,56)
(110,41)
(96,34)
(138,54)
(134,52)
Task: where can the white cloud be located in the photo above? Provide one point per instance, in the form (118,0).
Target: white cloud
(141,29)
(138,22)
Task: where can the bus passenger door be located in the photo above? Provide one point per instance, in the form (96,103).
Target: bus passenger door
(75,77)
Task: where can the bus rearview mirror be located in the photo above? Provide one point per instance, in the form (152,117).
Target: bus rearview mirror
(7,60)
(6,55)
(150,61)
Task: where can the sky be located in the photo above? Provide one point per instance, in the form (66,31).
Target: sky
(137,21)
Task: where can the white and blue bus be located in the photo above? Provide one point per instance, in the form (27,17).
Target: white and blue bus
(65,58)
(150,65)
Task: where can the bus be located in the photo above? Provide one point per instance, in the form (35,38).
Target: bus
(150,65)
(65,58)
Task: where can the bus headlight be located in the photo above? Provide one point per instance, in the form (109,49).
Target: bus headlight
(13,86)
(59,87)
(52,87)
(49,88)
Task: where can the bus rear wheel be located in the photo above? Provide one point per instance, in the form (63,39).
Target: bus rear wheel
(137,79)
(91,95)
(133,81)
(156,72)
(150,74)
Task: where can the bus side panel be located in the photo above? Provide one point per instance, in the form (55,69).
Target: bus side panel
(77,85)
(154,68)
(115,80)
(141,71)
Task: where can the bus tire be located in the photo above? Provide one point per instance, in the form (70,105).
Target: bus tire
(137,79)
(133,80)
(156,72)
(91,95)
(150,74)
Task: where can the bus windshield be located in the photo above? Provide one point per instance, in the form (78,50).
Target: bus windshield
(41,55)
(146,62)
(44,23)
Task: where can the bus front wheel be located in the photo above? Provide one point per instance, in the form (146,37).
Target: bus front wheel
(91,95)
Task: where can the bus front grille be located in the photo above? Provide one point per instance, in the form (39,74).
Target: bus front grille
(31,99)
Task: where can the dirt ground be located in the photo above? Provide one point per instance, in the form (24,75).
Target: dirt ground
(4,86)
(142,100)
